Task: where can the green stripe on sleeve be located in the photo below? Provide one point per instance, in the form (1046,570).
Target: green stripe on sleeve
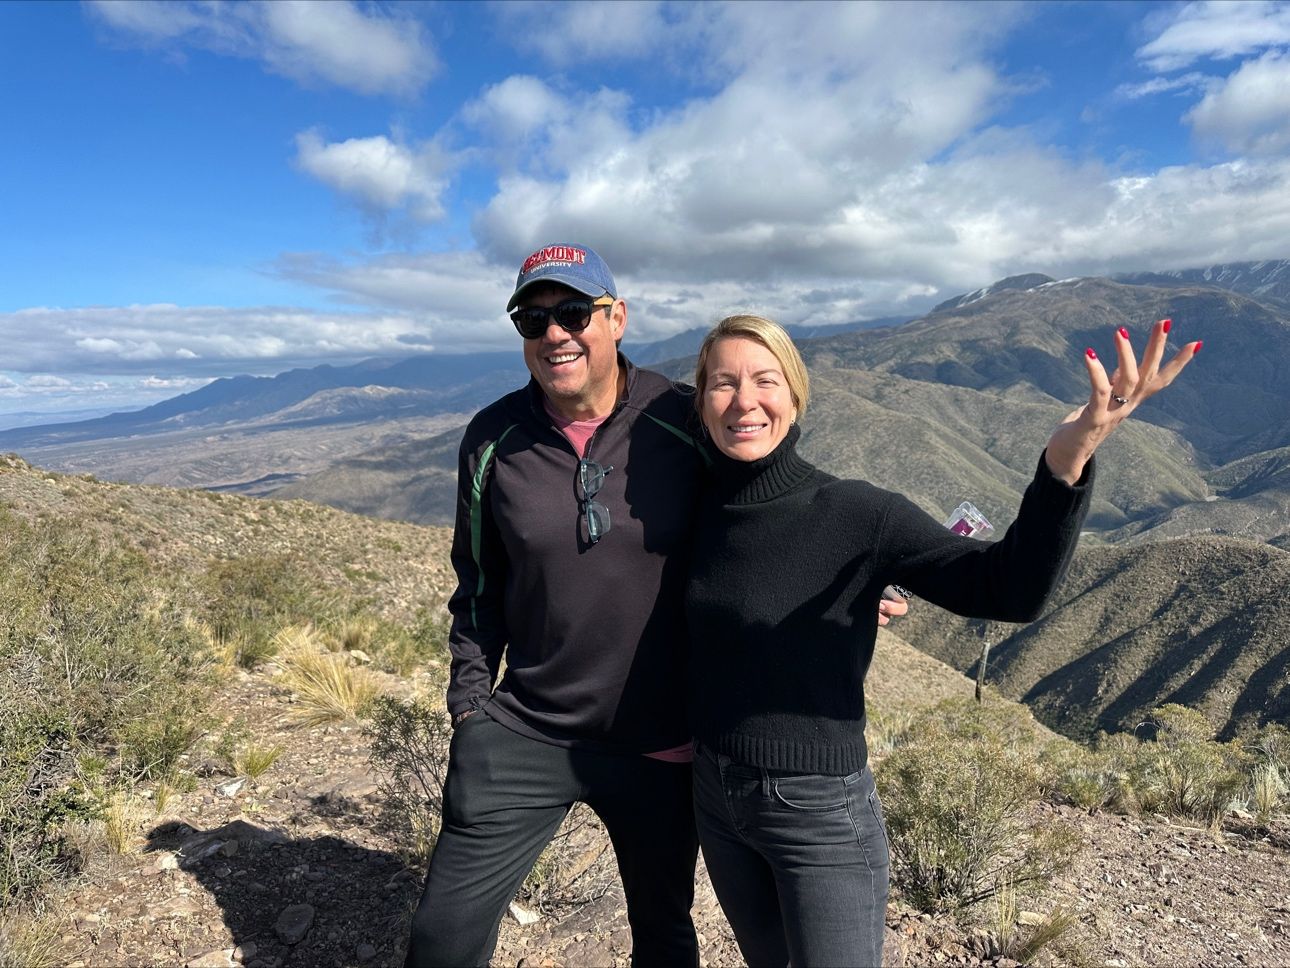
(477,517)
(683,435)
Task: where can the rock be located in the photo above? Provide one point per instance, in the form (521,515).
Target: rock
(199,851)
(294,922)
(353,786)
(200,846)
(176,907)
(523,915)
(893,951)
(244,952)
(218,958)
(232,788)
(230,848)
(364,953)
(167,862)
(359,656)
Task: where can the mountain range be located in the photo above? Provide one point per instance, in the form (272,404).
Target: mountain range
(1177,592)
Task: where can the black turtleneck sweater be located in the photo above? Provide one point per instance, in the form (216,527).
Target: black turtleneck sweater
(789,565)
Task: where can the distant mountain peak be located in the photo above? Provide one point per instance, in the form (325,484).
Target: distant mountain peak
(1023,283)
(1268,280)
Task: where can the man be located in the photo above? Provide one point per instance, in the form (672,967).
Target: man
(575,501)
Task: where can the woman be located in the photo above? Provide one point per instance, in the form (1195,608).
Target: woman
(789,565)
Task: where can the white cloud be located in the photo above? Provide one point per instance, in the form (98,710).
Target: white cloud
(48,394)
(838,165)
(1216,29)
(380,174)
(528,125)
(171,383)
(370,50)
(195,340)
(623,28)
(750,181)
(842,169)
(1185,84)
(459,297)
(1250,112)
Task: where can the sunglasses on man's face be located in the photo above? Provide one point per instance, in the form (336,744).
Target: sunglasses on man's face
(571,315)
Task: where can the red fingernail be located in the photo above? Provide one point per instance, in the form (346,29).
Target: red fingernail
(1166,324)
(1124,332)
(1199,344)
(1090,354)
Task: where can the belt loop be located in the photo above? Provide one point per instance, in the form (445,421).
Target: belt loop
(765,783)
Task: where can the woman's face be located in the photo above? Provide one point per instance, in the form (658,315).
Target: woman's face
(747,406)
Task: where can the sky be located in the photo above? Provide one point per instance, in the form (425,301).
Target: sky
(196,189)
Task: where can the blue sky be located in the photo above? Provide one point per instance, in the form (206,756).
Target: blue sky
(190,189)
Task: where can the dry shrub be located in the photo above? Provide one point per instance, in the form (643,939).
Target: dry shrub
(1268,789)
(410,749)
(1183,771)
(1020,936)
(1270,777)
(96,654)
(576,868)
(959,802)
(886,729)
(254,760)
(1081,777)
(328,688)
(393,647)
(30,941)
(120,825)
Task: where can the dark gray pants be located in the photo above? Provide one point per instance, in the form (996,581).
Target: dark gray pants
(799,863)
(504,799)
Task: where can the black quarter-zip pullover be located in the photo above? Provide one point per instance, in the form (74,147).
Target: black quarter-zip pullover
(592,634)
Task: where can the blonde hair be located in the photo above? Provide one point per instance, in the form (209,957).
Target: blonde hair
(769,334)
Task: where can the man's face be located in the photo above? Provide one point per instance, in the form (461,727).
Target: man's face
(578,372)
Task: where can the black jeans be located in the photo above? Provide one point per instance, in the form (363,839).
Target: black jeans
(799,862)
(504,798)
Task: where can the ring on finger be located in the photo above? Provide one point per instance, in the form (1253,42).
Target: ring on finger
(1119,399)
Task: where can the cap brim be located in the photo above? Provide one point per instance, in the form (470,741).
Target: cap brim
(573,282)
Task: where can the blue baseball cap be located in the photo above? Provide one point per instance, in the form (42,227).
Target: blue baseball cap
(575,266)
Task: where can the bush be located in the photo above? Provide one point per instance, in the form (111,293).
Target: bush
(254,760)
(410,749)
(1081,777)
(1020,936)
(35,797)
(1184,772)
(959,802)
(29,942)
(394,647)
(328,688)
(248,599)
(886,730)
(96,655)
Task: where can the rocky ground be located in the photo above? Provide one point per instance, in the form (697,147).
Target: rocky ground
(301,868)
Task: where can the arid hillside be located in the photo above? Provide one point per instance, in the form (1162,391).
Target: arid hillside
(1200,621)
(281,831)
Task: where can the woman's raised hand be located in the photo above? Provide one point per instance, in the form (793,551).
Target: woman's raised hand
(1113,398)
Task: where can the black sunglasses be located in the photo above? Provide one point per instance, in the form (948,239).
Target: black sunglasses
(591,477)
(571,315)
